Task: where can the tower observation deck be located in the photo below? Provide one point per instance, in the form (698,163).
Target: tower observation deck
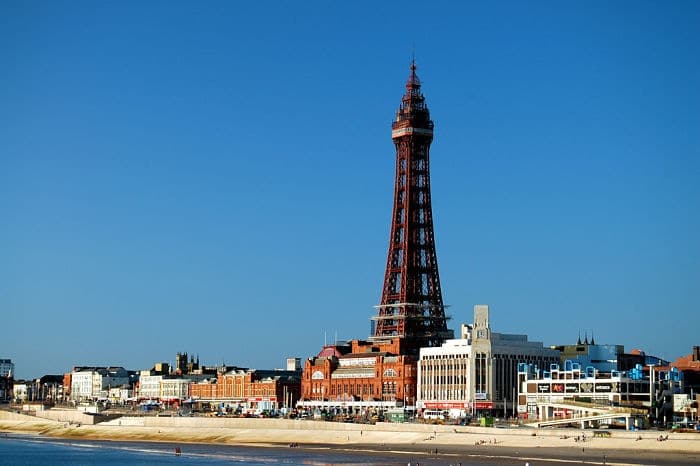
(411,307)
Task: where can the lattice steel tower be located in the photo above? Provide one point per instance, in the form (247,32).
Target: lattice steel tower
(411,307)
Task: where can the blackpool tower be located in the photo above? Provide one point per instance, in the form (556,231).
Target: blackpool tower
(411,307)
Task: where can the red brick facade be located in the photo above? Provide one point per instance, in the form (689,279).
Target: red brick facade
(67,384)
(360,371)
(249,386)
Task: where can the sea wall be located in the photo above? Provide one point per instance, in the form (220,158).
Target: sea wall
(73,416)
(70,416)
(271,424)
(321,426)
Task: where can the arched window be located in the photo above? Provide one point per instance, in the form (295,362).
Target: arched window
(317,375)
(390,373)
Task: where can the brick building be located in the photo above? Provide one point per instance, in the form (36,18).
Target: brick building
(689,365)
(250,390)
(359,375)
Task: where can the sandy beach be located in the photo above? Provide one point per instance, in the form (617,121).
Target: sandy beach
(407,440)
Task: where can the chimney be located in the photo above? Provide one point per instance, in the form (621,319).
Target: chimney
(696,353)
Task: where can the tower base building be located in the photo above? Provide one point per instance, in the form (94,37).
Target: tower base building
(359,378)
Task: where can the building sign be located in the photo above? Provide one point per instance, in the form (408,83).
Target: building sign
(542,388)
(349,362)
(571,388)
(480,396)
(586,387)
(483,405)
(603,387)
(681,402)
(557,388)
(446,405)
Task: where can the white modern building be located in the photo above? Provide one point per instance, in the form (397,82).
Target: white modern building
(175,389)
(477,373)
(120,395)
(20,392)
(573,395)
(93,383)
(81,385)
(149,386)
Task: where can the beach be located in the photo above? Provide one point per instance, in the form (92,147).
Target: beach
(411,440)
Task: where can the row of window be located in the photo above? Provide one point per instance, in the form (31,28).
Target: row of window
(358,389)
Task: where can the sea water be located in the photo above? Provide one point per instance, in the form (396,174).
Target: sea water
(38,450)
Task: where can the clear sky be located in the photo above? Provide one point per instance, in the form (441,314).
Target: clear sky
(217,177)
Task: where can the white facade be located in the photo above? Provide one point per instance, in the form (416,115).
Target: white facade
(571,393)
(477,372)
(149,385)
(81,387)
(443,378)
(163,387)
(20,392)
(174,389)
(91,383)
(120,395)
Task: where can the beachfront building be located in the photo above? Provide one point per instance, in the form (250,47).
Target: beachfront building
(48,388)
(248,391)
(20,391)
(149,385)
(477,374)
(689,366)
(677,389)
(576,394)
(93,383)
(575,384)
(120,395)
(158,384)
(605,357)
(174,389)
(359,377)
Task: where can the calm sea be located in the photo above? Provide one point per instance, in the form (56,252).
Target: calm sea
(35,450)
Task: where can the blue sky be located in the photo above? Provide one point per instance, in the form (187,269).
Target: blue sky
(217,178)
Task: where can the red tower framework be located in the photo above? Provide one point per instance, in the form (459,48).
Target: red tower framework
(411,307)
